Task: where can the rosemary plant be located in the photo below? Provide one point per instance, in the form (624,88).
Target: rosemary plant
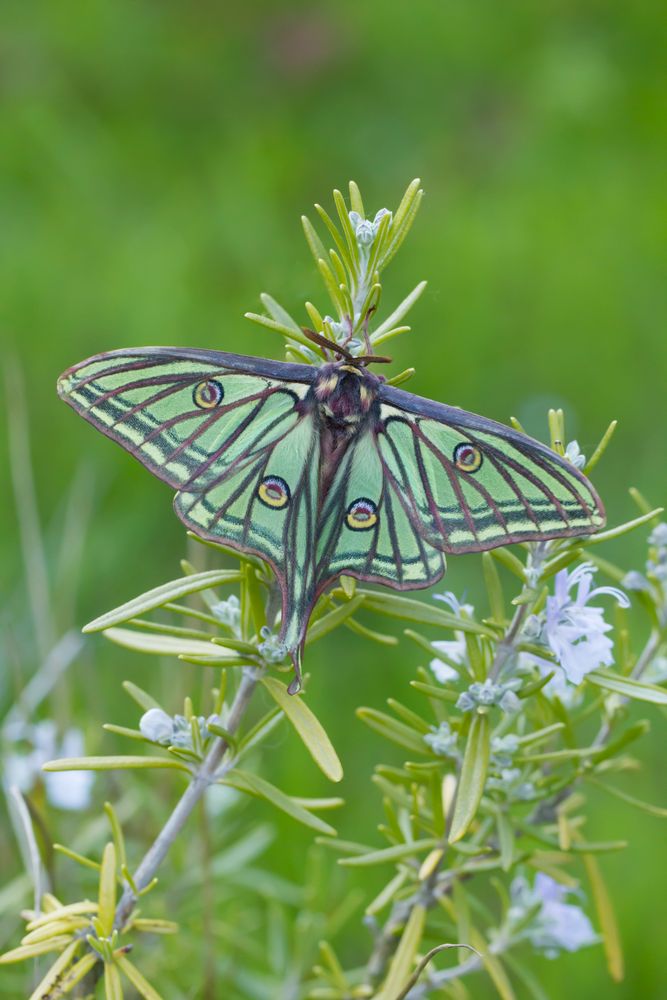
(482,828)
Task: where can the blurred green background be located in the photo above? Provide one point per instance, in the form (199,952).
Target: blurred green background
(155,160)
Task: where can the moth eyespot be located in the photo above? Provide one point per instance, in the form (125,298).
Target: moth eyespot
(274,492)
(467,457)
(361,515)
(208,394)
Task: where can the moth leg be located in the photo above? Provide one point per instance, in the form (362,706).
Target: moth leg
(296,683)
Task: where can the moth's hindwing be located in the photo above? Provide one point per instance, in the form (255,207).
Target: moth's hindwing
(365,529)
(267,505)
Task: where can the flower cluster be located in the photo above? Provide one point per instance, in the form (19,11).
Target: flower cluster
(442,740)
(488,694)
(575,632)
(540,914)
(365,230)
(654,584)
(228,613)
(172,730)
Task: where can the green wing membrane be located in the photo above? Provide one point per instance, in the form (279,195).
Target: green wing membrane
(503,488)
(237,444)
(281,530)
(146,403)
(388,544)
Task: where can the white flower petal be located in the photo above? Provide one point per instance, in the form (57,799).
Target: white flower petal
(157,726)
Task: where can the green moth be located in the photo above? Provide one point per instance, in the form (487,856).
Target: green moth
(327,470)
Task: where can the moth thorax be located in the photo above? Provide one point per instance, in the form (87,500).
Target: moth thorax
(345,393)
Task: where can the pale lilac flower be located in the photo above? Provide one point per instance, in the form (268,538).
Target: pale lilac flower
(157,726)
(171,730)
(442,740)
(574,454)
(454,649)
(69,790)
(575,632)
(557,925)
(635,581)
(658,536)
(457,607)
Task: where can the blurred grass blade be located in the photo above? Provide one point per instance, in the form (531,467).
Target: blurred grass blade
(25,836)
(32,544)
(608,925)
(627,686)
(160,595)
(404,957)
(472,778)
(308,727)
(252,784)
